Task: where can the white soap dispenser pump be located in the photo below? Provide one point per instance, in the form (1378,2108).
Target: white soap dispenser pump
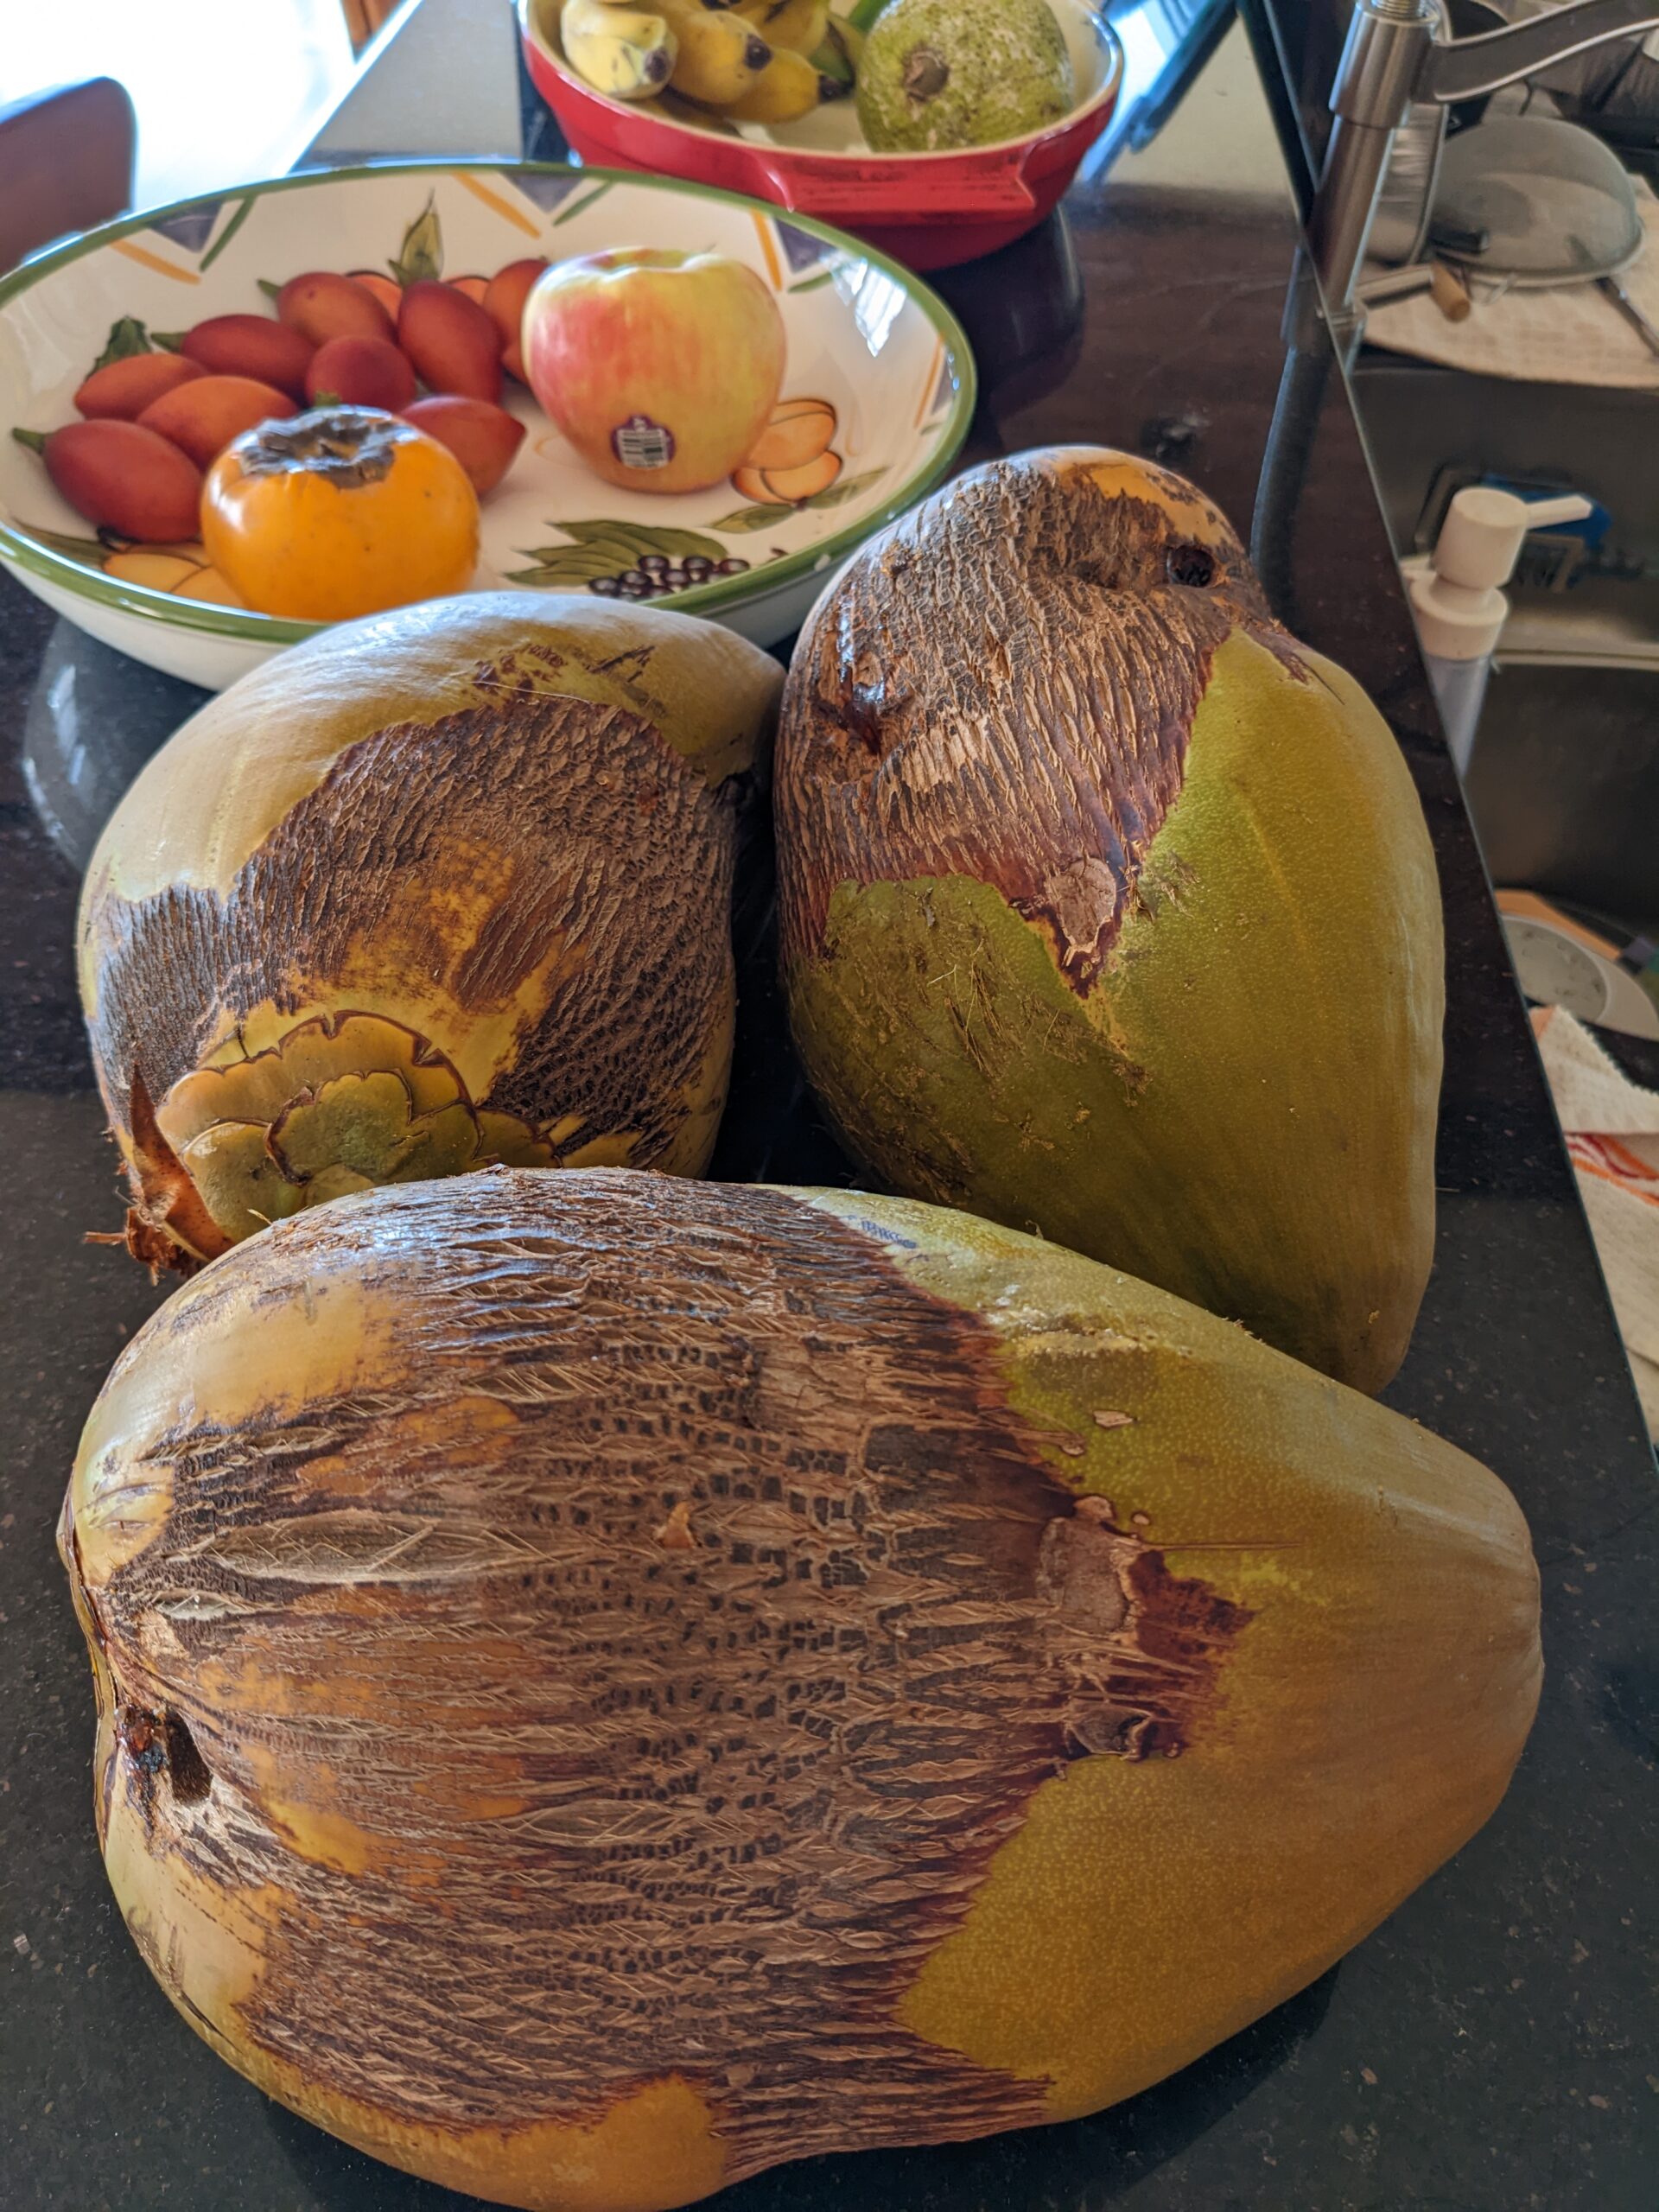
(1457,600)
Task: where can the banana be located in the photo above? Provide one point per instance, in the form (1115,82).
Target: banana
(787,89)
(721,52)
(839,56)
(797,26)
(625,51)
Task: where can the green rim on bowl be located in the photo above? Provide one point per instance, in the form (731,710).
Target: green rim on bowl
(27,552)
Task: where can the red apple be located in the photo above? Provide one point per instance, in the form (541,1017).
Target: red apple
(661,369)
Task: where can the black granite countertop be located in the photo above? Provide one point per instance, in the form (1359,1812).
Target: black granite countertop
(1488,2050)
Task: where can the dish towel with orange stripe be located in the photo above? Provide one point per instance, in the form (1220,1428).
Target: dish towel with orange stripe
(1612,1133)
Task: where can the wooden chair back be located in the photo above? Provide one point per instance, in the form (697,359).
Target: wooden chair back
(66,163)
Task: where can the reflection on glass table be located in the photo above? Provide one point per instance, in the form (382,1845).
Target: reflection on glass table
(1165,44)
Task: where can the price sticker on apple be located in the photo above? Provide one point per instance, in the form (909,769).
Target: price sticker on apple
(641,443)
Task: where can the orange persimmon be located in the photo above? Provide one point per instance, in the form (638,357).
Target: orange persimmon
(339,513)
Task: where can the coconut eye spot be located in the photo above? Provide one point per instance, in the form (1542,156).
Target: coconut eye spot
(1193,567)
(186,1769)
(161,1744)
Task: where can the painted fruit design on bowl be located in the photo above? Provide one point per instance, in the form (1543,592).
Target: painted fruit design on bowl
(793,465)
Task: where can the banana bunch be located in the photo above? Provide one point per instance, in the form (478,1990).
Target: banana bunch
(753,61)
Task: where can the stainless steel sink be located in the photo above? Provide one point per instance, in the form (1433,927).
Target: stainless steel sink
(1419,418)
(1564,783)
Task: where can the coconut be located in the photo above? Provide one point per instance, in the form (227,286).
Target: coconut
(607,1683)
(1108,909)
(446,887)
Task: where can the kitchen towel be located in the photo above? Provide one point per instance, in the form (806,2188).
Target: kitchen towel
(1612,1133)
(1568,334)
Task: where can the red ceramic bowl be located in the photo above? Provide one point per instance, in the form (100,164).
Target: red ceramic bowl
(929,211)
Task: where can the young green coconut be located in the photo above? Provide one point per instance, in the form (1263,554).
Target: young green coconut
(607,1684)
(444,887)
(1108,909)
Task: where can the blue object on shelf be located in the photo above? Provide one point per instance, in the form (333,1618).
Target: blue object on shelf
(1593,528)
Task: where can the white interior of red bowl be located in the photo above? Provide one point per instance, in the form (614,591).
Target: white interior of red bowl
(833,129)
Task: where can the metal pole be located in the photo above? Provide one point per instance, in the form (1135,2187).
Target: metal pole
(1388,43)
(1341,222)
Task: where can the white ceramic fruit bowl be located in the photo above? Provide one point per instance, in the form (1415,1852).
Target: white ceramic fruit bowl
(883,354)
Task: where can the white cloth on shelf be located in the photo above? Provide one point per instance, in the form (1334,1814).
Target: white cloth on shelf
(1612,1133)
(1567,333)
